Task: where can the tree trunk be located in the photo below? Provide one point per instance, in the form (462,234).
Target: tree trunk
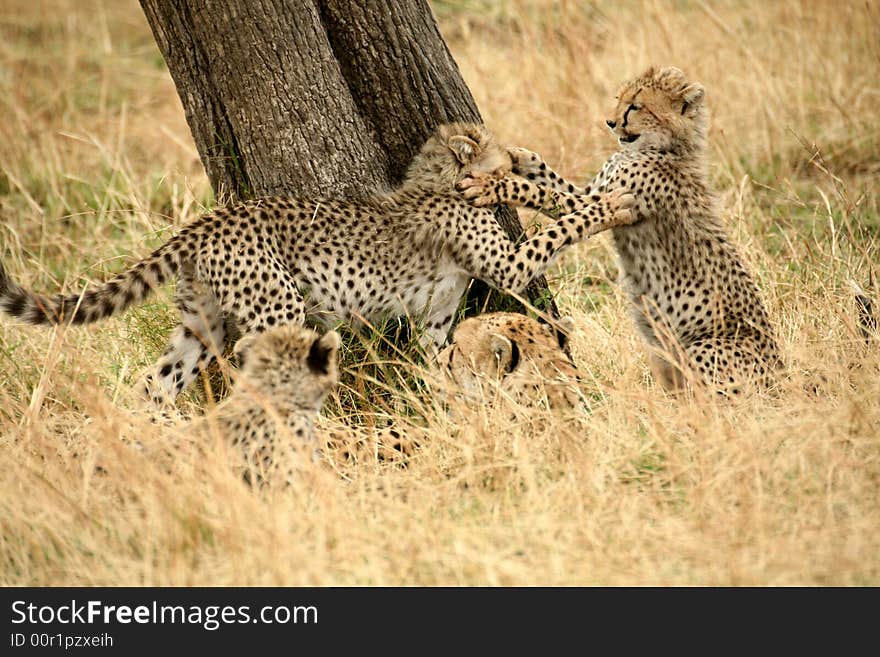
(314,98)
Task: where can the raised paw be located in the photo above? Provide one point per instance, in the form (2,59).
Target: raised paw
(622,205)
(525,162)
(480,189)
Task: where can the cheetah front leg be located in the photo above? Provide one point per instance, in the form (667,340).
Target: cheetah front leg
(532,166)
(484,191)
(493,258)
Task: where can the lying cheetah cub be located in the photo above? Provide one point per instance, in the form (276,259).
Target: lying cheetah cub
(408,252)
(504,354)
(270,415)
(521,358)
(693,300)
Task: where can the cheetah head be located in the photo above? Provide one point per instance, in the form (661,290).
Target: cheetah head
(660,109)
(455,151)
(514,354)
(290,366)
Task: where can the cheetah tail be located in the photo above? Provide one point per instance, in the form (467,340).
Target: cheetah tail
(117,294)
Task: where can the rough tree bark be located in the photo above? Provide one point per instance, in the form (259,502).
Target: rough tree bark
(315,97)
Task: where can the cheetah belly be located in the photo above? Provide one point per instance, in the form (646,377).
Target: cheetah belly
(430,297)
(640,263)
(439,291)
(408,287)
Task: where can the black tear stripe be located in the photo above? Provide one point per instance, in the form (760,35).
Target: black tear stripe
(561,338)
(514,356)
(629,109)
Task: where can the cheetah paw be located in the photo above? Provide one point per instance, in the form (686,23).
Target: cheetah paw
(480,189)
(622,205)
(524,161)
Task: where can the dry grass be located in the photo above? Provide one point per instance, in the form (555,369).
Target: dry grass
(95,155)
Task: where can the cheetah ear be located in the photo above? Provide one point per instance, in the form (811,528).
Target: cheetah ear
(671,75)
(692,95)
(322,353)
(649,72)
(243,347)
(463,147)
(564,329)
(506,352)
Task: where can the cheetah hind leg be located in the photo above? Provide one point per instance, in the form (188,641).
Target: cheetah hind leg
(728,367)
(193,345)
(440,314)
(267,306)
(731,367)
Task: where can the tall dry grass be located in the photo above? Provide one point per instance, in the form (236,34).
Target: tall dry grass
(96,163)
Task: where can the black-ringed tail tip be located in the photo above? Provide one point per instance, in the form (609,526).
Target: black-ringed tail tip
(94,302)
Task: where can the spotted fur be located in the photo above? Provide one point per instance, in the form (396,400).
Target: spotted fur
(344,444)
(409,252)
(693,300)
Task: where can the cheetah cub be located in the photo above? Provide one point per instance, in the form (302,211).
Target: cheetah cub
(409,252)
(693,301)
(270,415)
(511,354)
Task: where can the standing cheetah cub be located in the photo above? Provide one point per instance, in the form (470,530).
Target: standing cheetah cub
(270,415)
(407,252)
(693,300)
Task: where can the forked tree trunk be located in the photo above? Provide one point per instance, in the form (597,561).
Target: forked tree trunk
(314,97)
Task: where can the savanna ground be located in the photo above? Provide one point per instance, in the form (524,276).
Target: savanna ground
(97,164)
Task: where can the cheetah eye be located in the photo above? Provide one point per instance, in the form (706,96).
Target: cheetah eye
(633,108)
